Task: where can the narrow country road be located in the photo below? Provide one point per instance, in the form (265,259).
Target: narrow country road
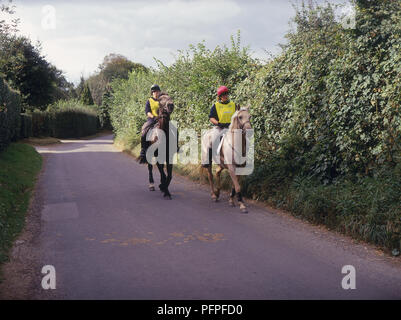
(108,237)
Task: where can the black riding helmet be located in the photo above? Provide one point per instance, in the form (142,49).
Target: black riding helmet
(155,87)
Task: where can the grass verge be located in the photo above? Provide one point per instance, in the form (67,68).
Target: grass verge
(40,141)
(19,166)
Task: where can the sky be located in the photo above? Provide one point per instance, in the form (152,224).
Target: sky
(76,35)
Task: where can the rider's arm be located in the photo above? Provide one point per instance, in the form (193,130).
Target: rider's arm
(213,117)
(148,110)
(214,121)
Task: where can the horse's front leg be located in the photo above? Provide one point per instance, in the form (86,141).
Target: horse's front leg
(163,185)
(237,188)
(169,169)
(151,181)
(218,181)
(162,177)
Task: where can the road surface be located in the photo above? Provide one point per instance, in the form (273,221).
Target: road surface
(108,237)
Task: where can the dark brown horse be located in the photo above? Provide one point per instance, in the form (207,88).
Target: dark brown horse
(166,107)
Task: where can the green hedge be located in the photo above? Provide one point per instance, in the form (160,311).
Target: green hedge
(74,123)
(10,108)
(63,119)
(41,124)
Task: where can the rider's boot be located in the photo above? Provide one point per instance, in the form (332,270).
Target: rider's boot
(210,156)
(142,155)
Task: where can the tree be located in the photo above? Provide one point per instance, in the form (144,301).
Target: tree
(118,66)
(86,96)
(26,69)
(114,66)
(7,28)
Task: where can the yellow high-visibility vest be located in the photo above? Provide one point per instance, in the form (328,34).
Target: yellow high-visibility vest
(225,111)
(154,106)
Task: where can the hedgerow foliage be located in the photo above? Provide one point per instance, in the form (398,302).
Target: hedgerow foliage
(10,108)
(329,104)
(191,81)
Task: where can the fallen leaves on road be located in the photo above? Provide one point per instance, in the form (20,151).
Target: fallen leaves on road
(186,238)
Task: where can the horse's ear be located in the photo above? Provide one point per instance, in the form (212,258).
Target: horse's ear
(237,107)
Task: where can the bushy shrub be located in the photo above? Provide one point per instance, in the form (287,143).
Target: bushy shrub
(332,97)
(26,126)
(10,108)
(192,81)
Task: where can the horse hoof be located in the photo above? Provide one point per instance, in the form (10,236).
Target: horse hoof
(244,210)
(167,197)
(151,188)
(231,203)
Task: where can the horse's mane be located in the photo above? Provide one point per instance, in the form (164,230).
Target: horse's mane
(163,94)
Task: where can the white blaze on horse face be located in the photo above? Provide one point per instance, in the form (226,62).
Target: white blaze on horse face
(249,154)
(159,145)
(189,150)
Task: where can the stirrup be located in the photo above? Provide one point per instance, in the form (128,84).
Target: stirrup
(142,160)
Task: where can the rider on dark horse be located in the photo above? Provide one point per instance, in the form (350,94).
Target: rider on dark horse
(151,110)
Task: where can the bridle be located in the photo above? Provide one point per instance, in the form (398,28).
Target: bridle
(243,124)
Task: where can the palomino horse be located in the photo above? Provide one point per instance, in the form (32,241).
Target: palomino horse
(227,152)
(166,107)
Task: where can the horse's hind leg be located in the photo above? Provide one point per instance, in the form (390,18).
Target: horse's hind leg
(218,181)
(151,181)
(169,168)
(232,195)
(210,176)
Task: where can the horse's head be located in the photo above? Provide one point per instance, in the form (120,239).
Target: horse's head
(241,119)
(166,105)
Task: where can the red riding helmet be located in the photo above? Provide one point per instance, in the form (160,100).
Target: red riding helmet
(222,90)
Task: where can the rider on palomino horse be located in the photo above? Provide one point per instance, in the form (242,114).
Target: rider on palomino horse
(220,116)
(151,109)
